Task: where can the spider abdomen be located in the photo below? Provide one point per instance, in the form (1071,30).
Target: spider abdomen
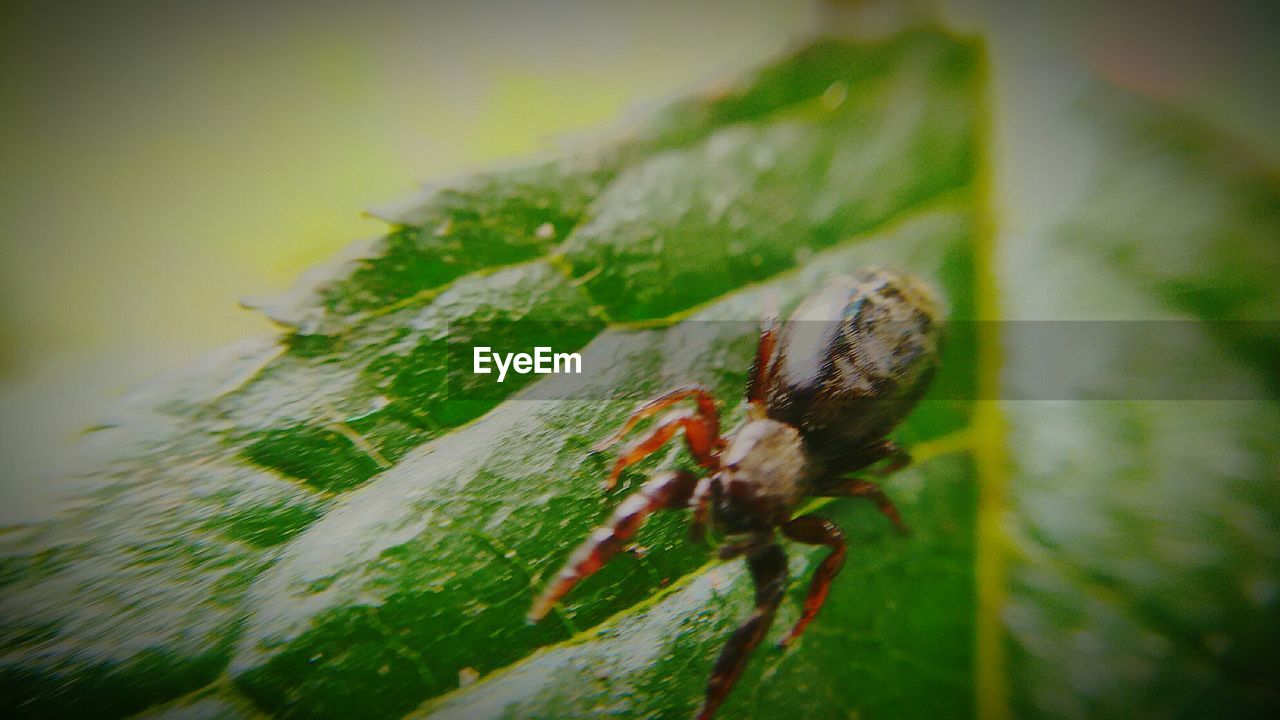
(853,360)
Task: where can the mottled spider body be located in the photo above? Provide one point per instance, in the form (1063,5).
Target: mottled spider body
(824,390)
(853,361)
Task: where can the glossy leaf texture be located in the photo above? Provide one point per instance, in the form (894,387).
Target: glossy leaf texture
(328,525)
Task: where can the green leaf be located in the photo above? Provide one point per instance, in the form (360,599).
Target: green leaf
(342,523)
(440,556)
(1145,534)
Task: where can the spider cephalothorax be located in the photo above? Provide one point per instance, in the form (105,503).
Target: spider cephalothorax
(824,390)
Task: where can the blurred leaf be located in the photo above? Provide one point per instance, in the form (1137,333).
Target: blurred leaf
(319,527)
(1146,534)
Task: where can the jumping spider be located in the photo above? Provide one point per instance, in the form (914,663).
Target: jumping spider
(824,391)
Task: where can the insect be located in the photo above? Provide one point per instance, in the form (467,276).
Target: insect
(824,391)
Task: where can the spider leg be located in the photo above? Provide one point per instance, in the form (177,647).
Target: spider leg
(700,437)
(667,491)
(857,487)
(814,530)
(899,458)
(761,367)
(768,565)
(706,410)
(701,504)
(735,547)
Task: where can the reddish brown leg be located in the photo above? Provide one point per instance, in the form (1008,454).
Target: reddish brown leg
(768,565)
(856,487)
(701,504)
(668,491)
(897,455)
(700,438)
(814,530)
(706,410)
(761,368)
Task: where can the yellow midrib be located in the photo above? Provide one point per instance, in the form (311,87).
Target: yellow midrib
(988,427)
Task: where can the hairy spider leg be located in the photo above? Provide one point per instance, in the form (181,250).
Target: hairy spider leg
(857,487)
(706,410)
(698,435)
(815,530)
(666,491)
(898,458)
(768,565)
(700,502)
(762,368)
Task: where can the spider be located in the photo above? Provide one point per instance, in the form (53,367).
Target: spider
(824,391)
